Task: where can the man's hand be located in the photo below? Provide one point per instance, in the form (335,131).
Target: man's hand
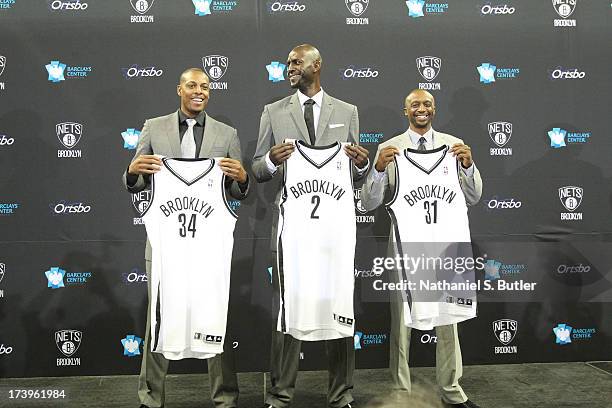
(463,153)
(233,169)
(385,156)
(145,164)
(281,152)
(358,154)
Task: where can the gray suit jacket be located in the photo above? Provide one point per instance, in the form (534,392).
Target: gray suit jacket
(161,136)
(284,119)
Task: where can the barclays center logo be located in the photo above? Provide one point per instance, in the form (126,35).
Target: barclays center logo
(362,340)
(356,72)
(130,138)
(419,8)
(207,7)
(58,71)
(560,138)
(495,270)
(56,276)
(215,67)
(565,334)
(131,345)
(276,71)
(489,73)
(6,4)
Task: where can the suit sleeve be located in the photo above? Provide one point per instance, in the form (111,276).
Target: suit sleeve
(144,147)
(471,186)
(236,153)
(265,141)
(374,187)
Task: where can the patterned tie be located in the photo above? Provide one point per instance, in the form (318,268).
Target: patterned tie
(421,146)
(309,119)
(188,146)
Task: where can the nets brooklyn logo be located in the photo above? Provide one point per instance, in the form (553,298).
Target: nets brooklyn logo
(429,68)
(357,8)
(500,133)
(69,134)
(571,198)
(68,342)
(142,7)
(505,331)
(215,67)
(141,201)
(564,9)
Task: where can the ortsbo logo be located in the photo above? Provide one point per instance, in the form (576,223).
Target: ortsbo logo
(285,6)
(352,72)
(67,5)
(488,9)
(134,71)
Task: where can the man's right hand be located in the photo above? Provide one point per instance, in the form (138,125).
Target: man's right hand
(145,164)
(281,152)
(385,156)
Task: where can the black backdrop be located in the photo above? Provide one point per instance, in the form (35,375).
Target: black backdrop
(370,60)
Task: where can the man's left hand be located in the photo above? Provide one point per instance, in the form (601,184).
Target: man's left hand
(463,153)
(233,169)
(358,155)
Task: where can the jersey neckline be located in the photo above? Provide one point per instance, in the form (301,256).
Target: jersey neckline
(165,160)
(301,144)
(418,165)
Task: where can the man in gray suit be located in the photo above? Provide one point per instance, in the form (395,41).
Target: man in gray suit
(315,117)
(420,109)
(167,136)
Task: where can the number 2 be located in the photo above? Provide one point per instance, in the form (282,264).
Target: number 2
(316,200)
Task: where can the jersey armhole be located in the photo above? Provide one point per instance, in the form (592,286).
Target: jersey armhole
(224,195)
(150,204)
(396,187)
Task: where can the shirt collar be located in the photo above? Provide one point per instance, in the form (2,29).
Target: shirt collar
(318,98)
(414,136)
(200,119)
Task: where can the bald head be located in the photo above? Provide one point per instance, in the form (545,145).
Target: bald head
(420,108)
(310,51)
(304,69)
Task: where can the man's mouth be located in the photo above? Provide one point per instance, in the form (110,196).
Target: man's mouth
(424,116)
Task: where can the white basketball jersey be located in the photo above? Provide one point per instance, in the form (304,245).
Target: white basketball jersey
(191,230)
(316,244)
(430,221)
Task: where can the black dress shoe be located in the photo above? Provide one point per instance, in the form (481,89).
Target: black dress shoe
(466,404)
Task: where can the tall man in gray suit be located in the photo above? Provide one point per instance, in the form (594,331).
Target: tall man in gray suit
(315,117)
(420,108)
(188,132)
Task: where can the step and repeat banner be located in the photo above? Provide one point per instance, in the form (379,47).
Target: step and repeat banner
(525,83)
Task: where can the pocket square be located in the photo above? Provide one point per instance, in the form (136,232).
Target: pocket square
(335,125)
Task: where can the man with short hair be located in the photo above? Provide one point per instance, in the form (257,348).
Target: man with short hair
(189,133)
(312,116)
(420,109)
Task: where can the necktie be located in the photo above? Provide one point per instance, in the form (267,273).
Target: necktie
(309,119)
(188,146)
(421,146)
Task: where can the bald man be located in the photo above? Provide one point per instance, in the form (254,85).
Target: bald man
(332,121)
(420,109)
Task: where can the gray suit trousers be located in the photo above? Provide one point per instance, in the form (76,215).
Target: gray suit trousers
(449,365)
(151,382)
(285,359)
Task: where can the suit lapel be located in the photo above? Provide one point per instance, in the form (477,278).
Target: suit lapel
(298,118)
(172,130)
(326,110)
(208,137)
